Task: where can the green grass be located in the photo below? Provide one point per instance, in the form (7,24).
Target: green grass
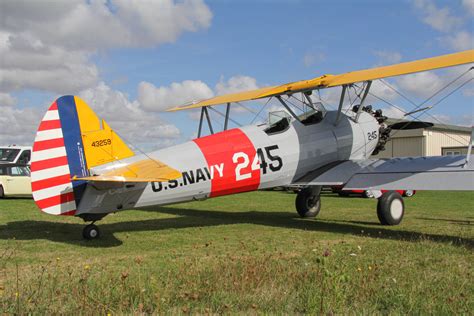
(247,253)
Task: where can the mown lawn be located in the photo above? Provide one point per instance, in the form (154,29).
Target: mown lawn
(247,253)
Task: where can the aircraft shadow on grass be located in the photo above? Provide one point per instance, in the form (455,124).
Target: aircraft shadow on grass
(187,218)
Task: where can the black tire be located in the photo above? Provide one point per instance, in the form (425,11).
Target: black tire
(91,232)
(390,208)
(343,193)
(2,194)
(307,203)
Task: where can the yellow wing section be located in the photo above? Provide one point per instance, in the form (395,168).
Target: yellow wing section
(327,81)
(226,98)
(141,171)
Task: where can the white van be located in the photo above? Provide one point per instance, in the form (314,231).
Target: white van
(15,154)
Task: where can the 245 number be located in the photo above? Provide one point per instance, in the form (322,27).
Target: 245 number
(372,135)
(259,162)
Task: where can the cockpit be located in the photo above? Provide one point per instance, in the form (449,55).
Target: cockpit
(279,121)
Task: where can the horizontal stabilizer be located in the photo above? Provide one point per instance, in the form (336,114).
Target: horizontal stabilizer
(141,171)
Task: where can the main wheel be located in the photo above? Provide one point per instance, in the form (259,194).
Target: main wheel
(390,208)
(308,204)
(2,195)
(91,232)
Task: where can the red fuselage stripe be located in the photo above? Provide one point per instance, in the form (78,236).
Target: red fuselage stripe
(231,153)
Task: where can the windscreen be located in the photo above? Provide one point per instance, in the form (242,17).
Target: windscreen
(8,154)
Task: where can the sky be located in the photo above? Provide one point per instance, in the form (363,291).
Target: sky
(133,60)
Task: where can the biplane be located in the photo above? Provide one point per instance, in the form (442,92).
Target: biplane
(81,167)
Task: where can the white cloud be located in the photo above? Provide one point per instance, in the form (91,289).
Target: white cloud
(387,57)
(462,40)
(461,120)
(236,84)
(440,19)
(178,93)
(378,92)
(18,126)
(162,98)
(115,23)
(49,46)
(469,6)
(7,100)
(141,129)
(394,112)
(423,84)
(311,58)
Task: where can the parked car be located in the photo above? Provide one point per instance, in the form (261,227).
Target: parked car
(15,180)
(15,154)
(367,193)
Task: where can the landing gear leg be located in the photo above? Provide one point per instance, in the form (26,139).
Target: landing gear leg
(390,208)
(90,232)
(308,202)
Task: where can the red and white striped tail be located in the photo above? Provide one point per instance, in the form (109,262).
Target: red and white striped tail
(51,183)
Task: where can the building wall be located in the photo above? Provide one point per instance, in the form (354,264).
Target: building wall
(436,140)
(403,147)
(454,150)
(423,143)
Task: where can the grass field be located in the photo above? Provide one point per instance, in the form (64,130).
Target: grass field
(248,253)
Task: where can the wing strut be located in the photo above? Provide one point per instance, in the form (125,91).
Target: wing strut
(208,121)
(341,101)
(287,107)
(200,122)
(204,112)
(361,105)
(227,111)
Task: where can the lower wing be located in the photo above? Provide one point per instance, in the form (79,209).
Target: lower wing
(420,173)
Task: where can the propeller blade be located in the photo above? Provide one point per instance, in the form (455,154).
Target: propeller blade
(410,125)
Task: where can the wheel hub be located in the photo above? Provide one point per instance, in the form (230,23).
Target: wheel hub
(396,209)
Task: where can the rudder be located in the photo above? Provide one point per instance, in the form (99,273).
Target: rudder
(70,140)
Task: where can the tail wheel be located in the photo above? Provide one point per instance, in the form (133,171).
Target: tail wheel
(308,204)
(91,232)
(390,208)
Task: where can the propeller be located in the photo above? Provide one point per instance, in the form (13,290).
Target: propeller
(410,125)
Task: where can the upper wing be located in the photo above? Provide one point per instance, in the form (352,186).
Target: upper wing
(327,81)
(422,173)
(227,98)
(141,171)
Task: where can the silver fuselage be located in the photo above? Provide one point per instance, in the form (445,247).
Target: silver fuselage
(239,160)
